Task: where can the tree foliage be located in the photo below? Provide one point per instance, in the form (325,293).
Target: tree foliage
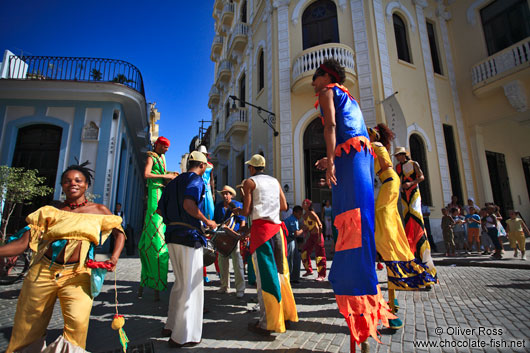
(19,186)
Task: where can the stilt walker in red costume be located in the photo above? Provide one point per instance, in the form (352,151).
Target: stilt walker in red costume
(349,172)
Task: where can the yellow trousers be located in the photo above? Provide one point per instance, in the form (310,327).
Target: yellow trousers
(42,286)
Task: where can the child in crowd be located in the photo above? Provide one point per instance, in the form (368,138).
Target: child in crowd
(447,230)
(459,230)
(473,229)
(486,241)
(516,229)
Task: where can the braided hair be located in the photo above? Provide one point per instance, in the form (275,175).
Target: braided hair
(87,172)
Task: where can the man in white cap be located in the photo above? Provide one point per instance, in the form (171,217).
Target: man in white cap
(180,206)
(262,201)
(223,215)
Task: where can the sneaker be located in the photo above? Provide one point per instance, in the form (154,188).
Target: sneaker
(523,256)
(395,324)
(320,278)
(515,253)
(206,279)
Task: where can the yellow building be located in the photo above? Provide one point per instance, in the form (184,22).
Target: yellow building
(460,70)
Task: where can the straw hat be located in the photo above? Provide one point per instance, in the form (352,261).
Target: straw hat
(197,156)
(400,150)
(227,188)
(257,160)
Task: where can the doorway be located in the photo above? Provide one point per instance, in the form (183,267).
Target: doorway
(37,147)
(315,149)
(500,183)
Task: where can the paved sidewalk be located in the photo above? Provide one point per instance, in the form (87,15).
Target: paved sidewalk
(467,297)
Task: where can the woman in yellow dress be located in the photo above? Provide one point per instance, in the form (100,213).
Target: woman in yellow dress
(404,271)
(63,239)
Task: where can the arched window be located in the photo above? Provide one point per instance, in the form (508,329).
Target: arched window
(319,24)
(227,110)
(419,154)
(261,71)
(402,42)
(216,127)
(242,90)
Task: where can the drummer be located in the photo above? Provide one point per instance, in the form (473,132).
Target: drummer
(223,215)
(180,206)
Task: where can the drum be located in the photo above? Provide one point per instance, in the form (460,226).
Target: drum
(225,240)
(209,254)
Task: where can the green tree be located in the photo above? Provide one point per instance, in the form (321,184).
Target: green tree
(96,75)
(121,78)
(18,186)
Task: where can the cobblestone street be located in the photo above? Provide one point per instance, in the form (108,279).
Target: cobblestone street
(493,302)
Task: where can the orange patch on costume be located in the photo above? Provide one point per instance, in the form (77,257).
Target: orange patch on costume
(357,143)
(350,231)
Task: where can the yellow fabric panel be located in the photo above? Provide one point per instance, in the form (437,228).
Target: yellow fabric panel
(380,151)
(275,318)
(288,304)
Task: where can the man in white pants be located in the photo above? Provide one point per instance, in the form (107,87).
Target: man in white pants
(180,206)
(223,215)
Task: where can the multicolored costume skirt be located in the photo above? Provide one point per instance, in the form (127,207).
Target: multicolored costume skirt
(275,294)
(152,247)
(415,229)
(352,273)
(404,272)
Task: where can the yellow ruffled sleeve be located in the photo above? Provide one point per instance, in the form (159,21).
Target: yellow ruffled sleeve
(38,222)
(108,223)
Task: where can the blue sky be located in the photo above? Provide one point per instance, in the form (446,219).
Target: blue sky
(169,41)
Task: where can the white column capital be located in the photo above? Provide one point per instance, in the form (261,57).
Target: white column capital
(280,3)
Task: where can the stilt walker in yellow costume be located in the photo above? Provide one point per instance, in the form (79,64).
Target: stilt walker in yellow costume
(404,271)
(263,200)
(411,175)
(152,246)
(63,239)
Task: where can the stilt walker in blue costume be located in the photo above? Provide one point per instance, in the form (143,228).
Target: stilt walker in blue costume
(350,173)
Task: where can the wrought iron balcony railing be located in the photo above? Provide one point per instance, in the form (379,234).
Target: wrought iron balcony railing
(75,69)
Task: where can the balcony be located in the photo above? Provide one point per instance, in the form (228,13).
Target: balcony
(217,47)
(501,68)
(305,64)
(237,123)
(221,145)
(228,14)
(224,72)
(238,40)
(53,68)
(214,97)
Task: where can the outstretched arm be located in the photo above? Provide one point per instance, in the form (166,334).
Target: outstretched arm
(16,247)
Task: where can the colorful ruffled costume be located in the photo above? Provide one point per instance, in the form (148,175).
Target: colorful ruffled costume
(152,246)
(404,272)
(46,280)
(413,218)
(352,273)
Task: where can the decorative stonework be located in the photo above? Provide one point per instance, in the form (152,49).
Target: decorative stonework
(391,6)
(90,132)
(464,148)
(516,95)
(302,4)
(433,98)
(364,70)
(386,72)
(270,150)
(416,129)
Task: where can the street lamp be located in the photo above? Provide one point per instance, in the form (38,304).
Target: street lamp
(270,120)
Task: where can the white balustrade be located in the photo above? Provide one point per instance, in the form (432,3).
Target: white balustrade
(506,60)
(228,8)
(311,58)
(241,115)
(240,29)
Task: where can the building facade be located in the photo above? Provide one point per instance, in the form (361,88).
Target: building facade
(56,111)
(457,70)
